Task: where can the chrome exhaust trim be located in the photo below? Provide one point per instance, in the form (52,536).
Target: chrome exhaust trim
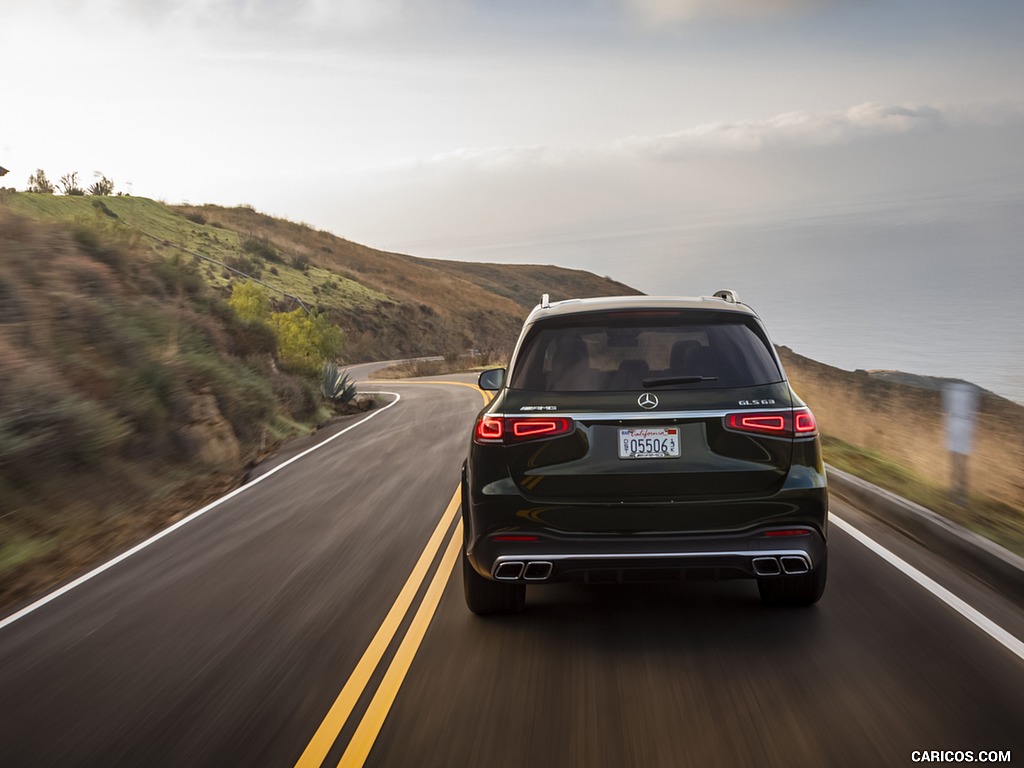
(537,570)
(795,565)
(509,571)
(539,567)
(766,566)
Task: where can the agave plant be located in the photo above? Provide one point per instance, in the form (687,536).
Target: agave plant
(336,385)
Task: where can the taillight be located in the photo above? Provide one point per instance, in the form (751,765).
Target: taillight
(498,429)
(797,423)
(490,429)
(514,538)
(769,423)
(804,423)
(545,427)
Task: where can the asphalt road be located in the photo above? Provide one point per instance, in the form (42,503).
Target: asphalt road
(315,617)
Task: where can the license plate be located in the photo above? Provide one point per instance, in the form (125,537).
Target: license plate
(649,443)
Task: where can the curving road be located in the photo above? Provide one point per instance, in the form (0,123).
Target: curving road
(314,617)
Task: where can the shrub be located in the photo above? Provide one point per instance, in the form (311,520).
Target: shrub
(252,339)
(102,187)
(250,302)
(40,433)
(296,395)
(100,206)
(69,184)
(38,183)
(179,275)
(245,398)
(11,308)
(249,265)
(111,252)
(336,386)
(304,341)
(261,248)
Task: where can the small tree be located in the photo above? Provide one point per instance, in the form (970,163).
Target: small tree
(38,182)
(251,302)
(103,186)
(69,184)
(304,341)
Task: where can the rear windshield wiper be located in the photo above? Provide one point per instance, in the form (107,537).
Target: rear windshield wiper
(664,381)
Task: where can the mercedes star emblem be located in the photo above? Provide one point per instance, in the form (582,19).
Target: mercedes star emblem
(648,401)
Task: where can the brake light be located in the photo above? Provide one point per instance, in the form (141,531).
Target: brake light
(489,429)
(772,423)
(797,423)
(539,427)
(513,538)
(804,423)
(788,532)
(495,429)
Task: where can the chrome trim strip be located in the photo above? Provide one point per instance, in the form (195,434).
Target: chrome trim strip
(751,553)
(650,415)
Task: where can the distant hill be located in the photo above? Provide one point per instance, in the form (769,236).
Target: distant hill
(388,304)
(421,306)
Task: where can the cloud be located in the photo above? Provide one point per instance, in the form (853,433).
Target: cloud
(338,15)
(236,16)
(662,11)
(488,159)
(803,163)
(794,129)
(788,131)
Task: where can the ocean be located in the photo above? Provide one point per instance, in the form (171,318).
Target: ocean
(932,287)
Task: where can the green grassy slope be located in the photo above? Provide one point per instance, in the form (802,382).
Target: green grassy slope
(388,304)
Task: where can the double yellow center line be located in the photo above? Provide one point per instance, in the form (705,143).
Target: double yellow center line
(362,741)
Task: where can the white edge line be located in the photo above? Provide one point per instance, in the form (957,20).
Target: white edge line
(167,531)
(973,615)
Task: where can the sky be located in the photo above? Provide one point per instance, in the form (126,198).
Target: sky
(651,140)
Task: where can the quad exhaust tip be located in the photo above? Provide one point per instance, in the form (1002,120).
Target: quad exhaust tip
(509,571)
(791,565)
(514,570)
(766,566)
(538,570)
(794,565)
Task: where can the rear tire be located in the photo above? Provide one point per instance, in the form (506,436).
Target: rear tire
(490,598)
(802,590)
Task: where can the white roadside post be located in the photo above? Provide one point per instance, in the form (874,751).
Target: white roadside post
(960,403)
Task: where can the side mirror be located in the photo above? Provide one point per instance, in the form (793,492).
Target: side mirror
(492,380)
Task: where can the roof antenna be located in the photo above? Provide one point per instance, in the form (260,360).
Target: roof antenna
(545,301)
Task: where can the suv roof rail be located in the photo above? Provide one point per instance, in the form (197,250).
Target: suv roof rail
(727,295)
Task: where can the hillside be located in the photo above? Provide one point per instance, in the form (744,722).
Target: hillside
(421,306)
(130,391)
(388,304)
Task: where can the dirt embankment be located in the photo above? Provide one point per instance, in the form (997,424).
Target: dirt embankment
(906,424)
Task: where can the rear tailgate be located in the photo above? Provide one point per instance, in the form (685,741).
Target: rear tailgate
(602,461)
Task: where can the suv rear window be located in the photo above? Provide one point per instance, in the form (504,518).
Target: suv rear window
(612,351)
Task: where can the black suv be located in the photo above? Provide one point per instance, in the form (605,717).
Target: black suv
(642,438)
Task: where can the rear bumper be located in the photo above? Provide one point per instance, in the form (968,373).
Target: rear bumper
(560,558)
